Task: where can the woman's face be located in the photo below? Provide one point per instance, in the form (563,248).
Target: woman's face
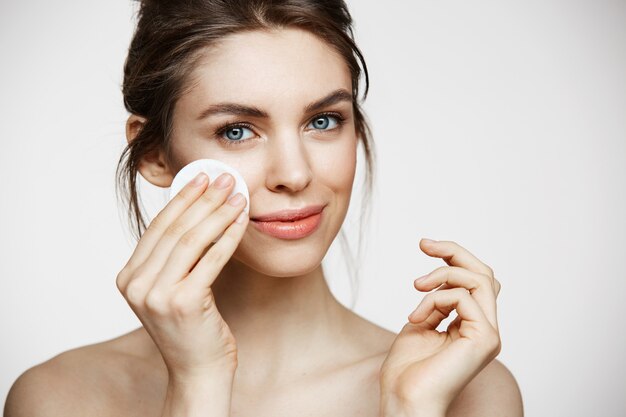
(291,152)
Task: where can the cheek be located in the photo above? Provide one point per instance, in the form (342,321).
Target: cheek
(336,166)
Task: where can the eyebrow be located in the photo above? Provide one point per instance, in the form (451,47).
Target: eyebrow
(251,111)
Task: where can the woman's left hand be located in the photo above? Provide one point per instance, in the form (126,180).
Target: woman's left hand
(426,369)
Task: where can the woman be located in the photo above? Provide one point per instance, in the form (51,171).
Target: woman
(248,326)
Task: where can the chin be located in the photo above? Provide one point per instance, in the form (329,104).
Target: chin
(283,259)
(276,257)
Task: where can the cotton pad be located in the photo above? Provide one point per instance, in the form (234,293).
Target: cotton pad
(213,168)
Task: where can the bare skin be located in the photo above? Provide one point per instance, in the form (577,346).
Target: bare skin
(299,351)
(131,373)
(126,376)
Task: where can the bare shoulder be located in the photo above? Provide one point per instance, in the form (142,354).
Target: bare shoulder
(493,392)
(369,336)
(63,385)
(369,342)
(77,382)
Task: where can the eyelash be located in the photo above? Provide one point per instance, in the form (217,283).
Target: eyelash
(223,128)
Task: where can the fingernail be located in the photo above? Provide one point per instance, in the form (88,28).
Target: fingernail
(241,217)
(428,240)
(223,181)
(236,199)
(199,179)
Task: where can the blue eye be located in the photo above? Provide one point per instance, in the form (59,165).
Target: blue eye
(237,133)
(322,122)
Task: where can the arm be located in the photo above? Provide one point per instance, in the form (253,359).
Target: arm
(167,283)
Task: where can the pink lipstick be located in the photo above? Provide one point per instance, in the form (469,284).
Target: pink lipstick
(290,224)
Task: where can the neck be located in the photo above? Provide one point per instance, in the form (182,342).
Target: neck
(278,321)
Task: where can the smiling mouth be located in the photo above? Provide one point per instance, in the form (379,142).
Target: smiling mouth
(290,215)
(296,227)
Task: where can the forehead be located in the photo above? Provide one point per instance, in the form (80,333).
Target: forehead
(267,68)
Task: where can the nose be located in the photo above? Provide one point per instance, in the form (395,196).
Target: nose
(289,166)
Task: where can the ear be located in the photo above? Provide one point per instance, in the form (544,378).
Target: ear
(153,166)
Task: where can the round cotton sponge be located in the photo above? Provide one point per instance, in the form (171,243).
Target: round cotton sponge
(213,168)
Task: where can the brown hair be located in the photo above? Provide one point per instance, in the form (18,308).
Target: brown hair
(166,46)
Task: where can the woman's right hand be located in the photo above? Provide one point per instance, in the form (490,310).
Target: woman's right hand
(167,281)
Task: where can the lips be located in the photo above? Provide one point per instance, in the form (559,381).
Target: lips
(289,215)
(290,224)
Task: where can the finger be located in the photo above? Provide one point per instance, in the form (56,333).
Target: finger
(434,318)
(209,266)
(453,327)
(181,201)
(190,246)
(479,286)
(207,203)
(437,315)
(447,300)
(455,255)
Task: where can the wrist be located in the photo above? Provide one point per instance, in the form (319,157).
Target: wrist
(201,381)
(190,396)
(222,371)
(411,414)
(404,412)
(394,406)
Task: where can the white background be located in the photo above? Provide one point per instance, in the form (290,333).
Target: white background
(500,125)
